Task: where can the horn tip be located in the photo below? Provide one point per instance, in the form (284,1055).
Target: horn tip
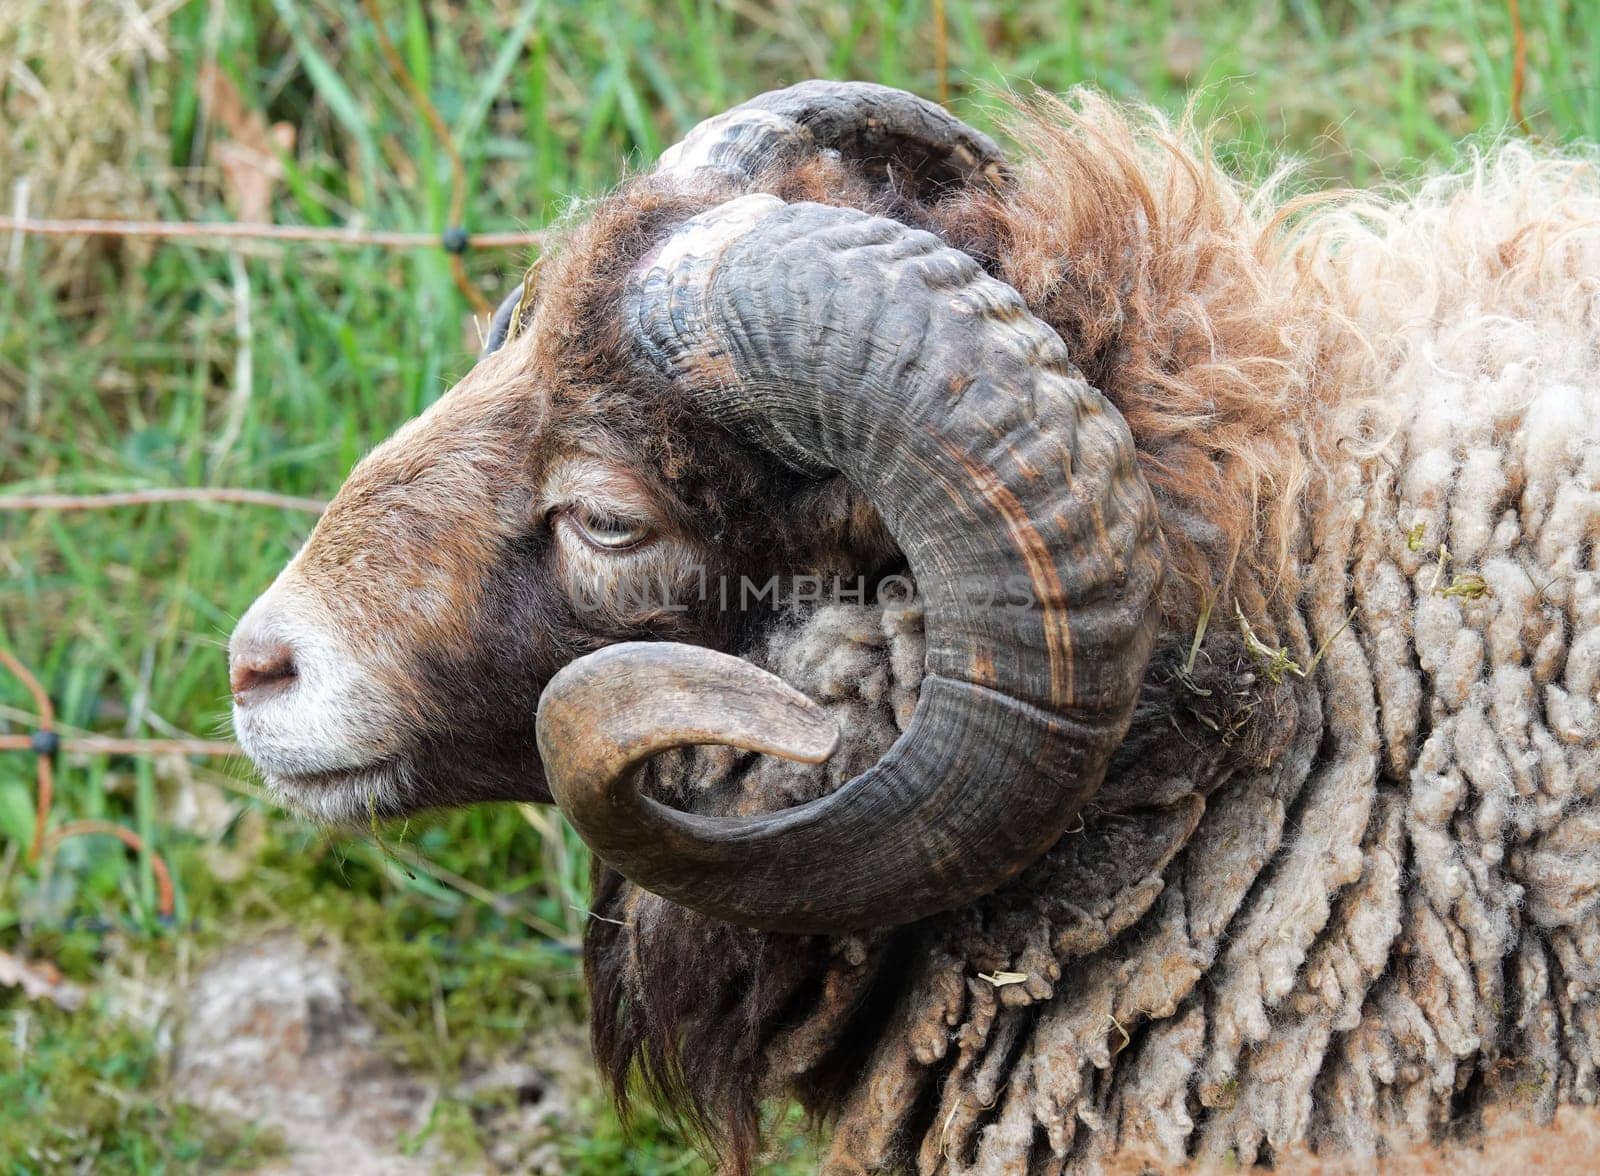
(813,739)
(791,725)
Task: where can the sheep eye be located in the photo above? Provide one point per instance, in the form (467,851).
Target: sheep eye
(612,533)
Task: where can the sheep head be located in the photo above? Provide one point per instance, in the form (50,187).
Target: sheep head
(711,382)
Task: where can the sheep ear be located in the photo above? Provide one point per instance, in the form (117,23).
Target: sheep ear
(500,324)
(512,311)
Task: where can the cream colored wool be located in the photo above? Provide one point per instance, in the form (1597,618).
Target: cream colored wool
(1383,929)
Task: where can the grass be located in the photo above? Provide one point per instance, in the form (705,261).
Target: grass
(120,366)
(73,1101)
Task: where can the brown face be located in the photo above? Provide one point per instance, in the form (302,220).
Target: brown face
(397,661)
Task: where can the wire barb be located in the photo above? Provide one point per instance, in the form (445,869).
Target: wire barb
(45,743)
(441,132)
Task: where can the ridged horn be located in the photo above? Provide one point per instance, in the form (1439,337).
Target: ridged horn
(906,134)
(844,343)
(910,138)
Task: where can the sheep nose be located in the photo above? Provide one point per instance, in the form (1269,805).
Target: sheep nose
(256,672)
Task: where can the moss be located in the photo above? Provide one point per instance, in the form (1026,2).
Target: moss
(446,981)
(452,1131)
(84,1091)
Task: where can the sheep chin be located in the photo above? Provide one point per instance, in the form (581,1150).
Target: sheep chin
(345,797)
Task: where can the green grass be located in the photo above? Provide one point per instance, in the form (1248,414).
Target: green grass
(116,371)
(72,1100)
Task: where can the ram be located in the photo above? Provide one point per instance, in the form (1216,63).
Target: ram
(1168,614)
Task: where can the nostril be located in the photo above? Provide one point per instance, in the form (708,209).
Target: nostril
(255,673)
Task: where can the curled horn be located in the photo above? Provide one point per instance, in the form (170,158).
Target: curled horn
(876,124)
(842,343)
(913,140)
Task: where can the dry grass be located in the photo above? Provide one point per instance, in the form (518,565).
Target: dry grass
(83,132)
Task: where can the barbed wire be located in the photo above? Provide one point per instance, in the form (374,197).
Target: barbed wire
(45,744)
(458,173)
(454,239)
(44,776)
(157,495)
(158,866)
(111,745)
(237,231)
